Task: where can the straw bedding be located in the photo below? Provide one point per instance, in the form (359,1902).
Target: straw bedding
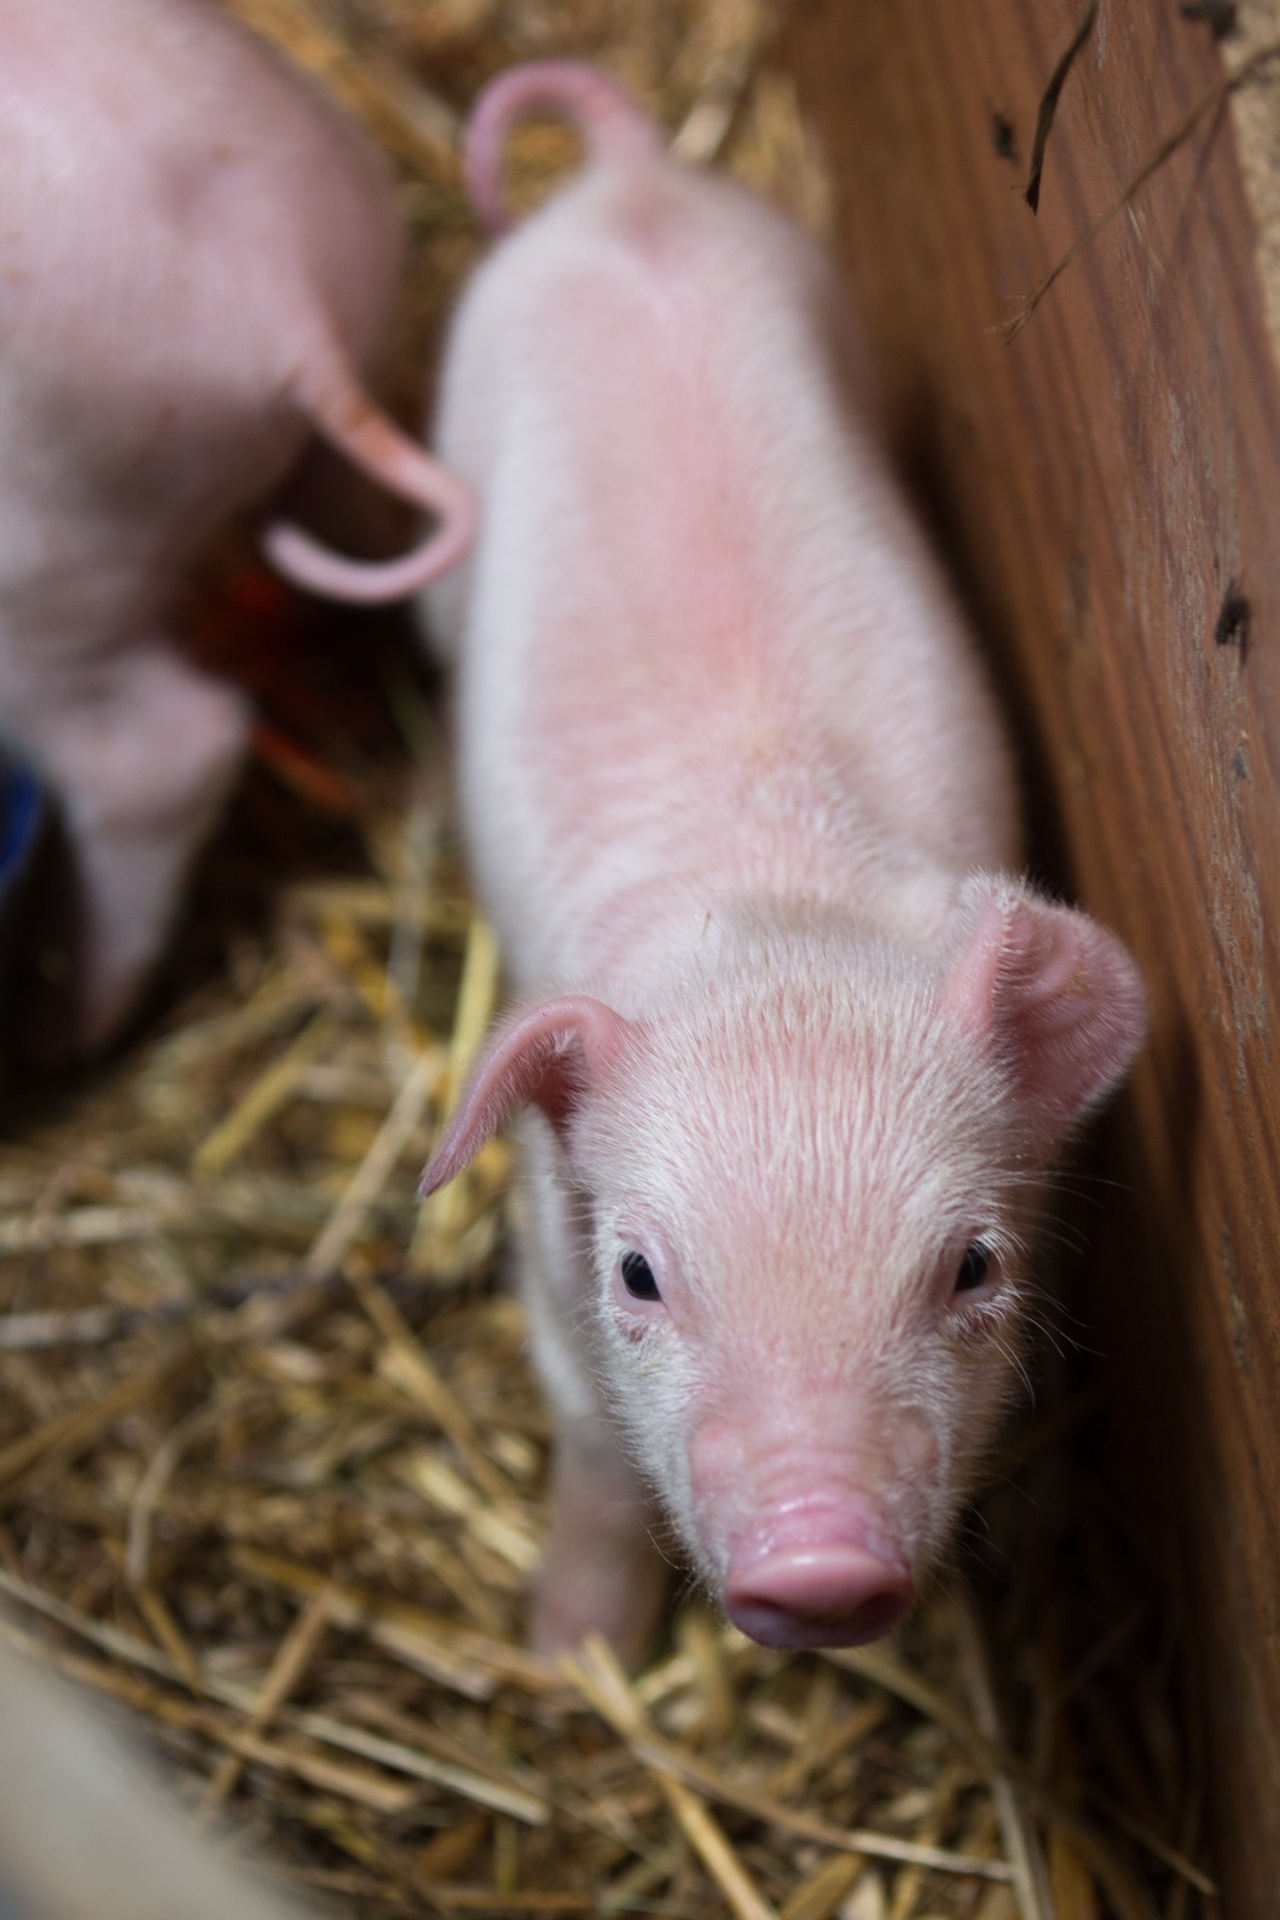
(271,1459)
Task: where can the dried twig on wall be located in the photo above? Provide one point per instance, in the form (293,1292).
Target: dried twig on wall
(1049,102)
(1215,97)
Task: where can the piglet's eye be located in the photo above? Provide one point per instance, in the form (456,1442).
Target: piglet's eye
(974,1268)
(637,1277)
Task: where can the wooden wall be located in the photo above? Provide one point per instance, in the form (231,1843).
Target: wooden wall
(1107,484)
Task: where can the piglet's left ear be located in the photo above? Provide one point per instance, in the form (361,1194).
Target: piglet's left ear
(1059,1000)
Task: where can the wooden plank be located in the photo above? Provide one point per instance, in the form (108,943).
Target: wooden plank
(1103,486)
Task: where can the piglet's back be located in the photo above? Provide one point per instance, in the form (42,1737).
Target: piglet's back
(714,633)
(182,213)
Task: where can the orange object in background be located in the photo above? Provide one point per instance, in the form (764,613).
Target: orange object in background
(308,776)
(306,666)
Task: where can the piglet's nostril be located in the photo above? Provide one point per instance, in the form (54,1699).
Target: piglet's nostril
(820,1595)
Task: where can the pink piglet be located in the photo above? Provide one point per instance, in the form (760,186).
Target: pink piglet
(796,1045)
(197,255)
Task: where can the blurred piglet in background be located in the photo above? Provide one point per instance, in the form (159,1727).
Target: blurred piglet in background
(196,254)
(85,1833)
(798,1046)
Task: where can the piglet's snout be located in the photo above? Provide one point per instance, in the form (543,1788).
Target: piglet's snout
(820,1582)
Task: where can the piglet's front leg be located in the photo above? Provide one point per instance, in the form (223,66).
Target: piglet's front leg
(601,1569)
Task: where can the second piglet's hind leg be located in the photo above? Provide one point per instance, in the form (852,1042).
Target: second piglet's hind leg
(141,751)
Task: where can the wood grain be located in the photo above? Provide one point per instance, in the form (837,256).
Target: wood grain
(1103,486)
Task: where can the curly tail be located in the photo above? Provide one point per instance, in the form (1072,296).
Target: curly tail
(343,414)
(613,126)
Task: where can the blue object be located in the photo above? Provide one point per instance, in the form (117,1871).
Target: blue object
(25,817)
(22,810)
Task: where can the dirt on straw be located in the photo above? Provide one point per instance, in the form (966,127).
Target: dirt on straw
(272,1462)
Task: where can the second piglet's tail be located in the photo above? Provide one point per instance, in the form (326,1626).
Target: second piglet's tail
(613,126)
(329,393)
(344,414)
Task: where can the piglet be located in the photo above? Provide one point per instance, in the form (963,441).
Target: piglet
(796,1042)
(196,254)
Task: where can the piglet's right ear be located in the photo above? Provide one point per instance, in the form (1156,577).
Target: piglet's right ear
(553,1057)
